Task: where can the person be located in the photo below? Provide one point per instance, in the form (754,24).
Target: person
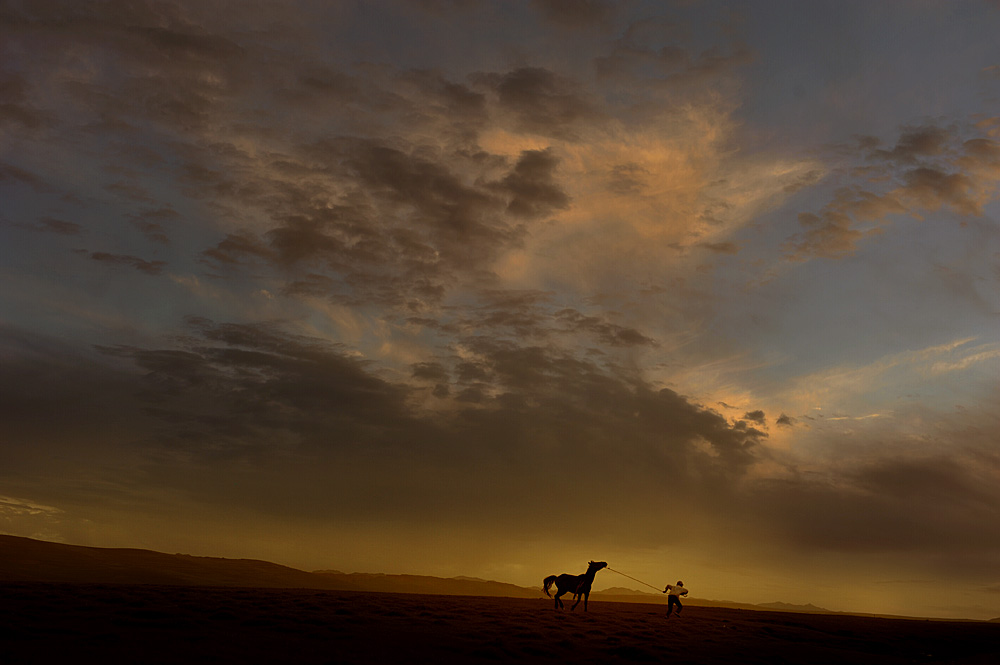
(674,593)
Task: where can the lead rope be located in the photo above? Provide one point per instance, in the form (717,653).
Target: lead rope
(632,578)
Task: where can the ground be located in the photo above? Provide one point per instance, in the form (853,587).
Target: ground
(44,623)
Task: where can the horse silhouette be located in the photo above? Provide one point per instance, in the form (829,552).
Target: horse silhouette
(578,585)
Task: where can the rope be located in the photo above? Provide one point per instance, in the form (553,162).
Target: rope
(632,578)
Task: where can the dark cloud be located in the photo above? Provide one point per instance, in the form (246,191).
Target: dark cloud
(368,214)
(785,421)
(240,387)
(929,168)
(980,153)
(541,101)
(401,222)
(446,6)
(148,267)
(16,108)
(288,426)
(524,315)
(935,480)
(628,179)
(447,204)
(130,190)
(58,226)
(914,144)
(10,173)
(576,13)
(607,332)
(547,394)
(932,188)
(720,247)
(657,45)
(832,235)
(913,504)
(150,223)
(520,313)
(533,188)
(237,247)
(431,371)
(806,180)
(467,110)
(231,392)
(152,62)
(755,417)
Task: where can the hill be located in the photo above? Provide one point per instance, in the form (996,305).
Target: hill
(28,560)
(451,586)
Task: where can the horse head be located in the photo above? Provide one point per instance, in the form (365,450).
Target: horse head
(596,565)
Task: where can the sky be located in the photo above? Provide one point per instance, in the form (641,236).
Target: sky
(705,290)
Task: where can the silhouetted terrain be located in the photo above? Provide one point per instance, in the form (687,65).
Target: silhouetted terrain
(142,623)
(28,560)
(67,603)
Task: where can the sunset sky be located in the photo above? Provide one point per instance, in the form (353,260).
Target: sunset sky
(705,290)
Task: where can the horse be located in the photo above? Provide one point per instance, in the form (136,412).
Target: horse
(578,585)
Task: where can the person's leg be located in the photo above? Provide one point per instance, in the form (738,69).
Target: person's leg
(679,606)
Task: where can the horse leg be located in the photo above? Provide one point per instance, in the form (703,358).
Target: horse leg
(559,603)
(586,597)
(577,598)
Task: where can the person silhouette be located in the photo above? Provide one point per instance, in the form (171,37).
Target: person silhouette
(674,593)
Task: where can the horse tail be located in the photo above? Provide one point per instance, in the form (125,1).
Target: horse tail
(548,583)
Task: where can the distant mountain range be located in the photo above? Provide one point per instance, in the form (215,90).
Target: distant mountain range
(28,560)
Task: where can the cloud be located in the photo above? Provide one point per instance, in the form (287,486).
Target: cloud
(931,189)
(148,267)
(606,332)
(24,516)
(929,169)
(232,392)
(10,506)
(832,235)
(906,506)
(720,247)
(383,184)
(915,143)
(430,371)
(58,226)
(662,46)
(576,13)
(11,173)
(541,101)
(150,223)
(850,389)
(394,224)
(150,62)
(16,109)
(785,421)
(534,190)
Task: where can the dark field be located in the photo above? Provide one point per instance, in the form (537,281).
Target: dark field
(47,623)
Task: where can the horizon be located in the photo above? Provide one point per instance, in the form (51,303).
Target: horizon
(613,591)
(707,290)
(598,587)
